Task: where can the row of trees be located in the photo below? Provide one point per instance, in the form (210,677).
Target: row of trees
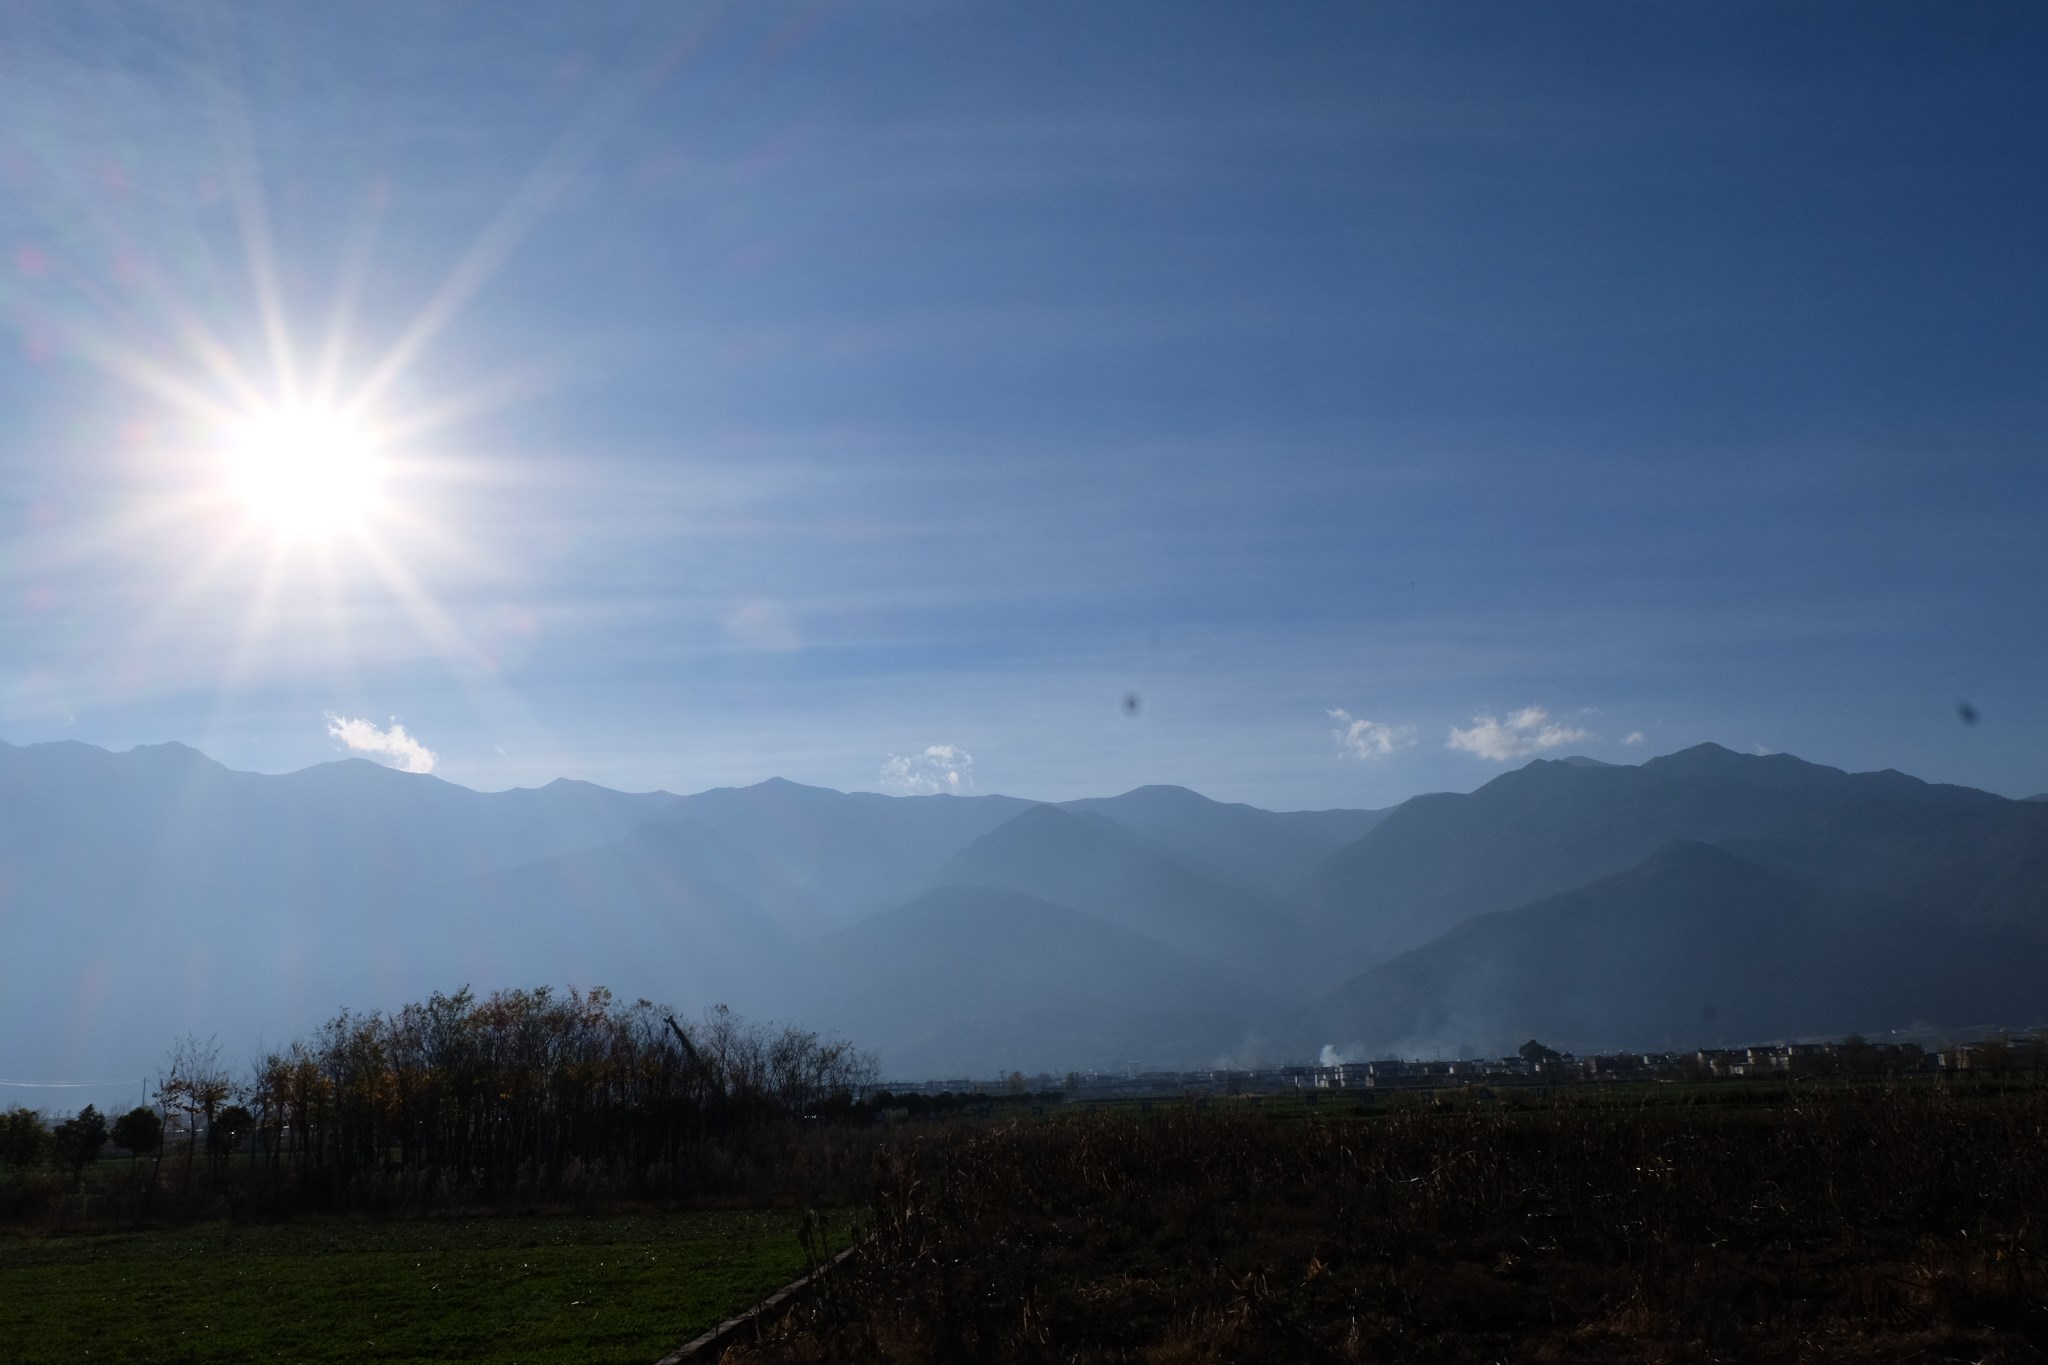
(27,1140)
(508,1090)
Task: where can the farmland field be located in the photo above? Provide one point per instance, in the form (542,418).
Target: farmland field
(524,1289)
(1874,1223)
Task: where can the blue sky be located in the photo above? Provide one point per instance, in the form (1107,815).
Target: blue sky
(784,390)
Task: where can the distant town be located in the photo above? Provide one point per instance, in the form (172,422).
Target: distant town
(1533,1065)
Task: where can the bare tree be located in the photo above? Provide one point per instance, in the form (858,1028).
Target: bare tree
(510,1091)
(195,1085)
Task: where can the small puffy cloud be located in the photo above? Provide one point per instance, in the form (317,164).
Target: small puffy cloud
(1525,732)
(1366,740)
(1633,737)
(940,768)
(402,751)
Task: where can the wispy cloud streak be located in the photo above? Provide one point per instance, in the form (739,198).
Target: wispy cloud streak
(1367,740)
(940,768)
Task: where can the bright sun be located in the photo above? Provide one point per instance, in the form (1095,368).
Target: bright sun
(303,471)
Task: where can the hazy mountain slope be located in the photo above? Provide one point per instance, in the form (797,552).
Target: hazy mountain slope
(1270,852)
(1090,863)
(1979,866)
(825,857)
(1692,947)
(154,891)
(1438,860)
(166,810)
(966,979)
(641,915)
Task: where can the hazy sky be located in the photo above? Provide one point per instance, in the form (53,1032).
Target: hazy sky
(766,390)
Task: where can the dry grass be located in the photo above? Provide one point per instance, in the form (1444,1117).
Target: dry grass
(1878,1224)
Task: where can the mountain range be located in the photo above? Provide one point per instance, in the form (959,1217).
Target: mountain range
(1700,897)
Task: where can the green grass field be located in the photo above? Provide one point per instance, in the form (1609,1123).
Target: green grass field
(530,1289)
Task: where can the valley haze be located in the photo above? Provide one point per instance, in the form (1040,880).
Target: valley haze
(1702,897)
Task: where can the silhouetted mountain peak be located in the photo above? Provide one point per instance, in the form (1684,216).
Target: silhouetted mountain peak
(1549,826)
(576,784)
(1268,852)
(779,793)
(1702,758)
(1162,796)
(359,772)
(1581,761)
(58,746)
(768,786)
(171,759)
(170,755)
(778,787)
(1706,751)
(170,748)
(1714,760)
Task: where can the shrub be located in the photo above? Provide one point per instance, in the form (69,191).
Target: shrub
(139,1130)
(79,1138)
(24,1141)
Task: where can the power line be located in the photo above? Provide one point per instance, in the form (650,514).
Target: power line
(77,1085)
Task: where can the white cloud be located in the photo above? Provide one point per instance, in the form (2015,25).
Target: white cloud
(1633,737)
(406,754)
(940,768)
(1527,731)
(1366,740)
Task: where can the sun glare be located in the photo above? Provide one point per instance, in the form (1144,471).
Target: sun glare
(304,472)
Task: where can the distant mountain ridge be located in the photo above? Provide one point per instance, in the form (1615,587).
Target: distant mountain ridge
(163,795)
(1441,859)
(1087,861)
(1865,900)
(1692,947)
(820,858)
(1700,895)
(1264,851)
(158,890)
